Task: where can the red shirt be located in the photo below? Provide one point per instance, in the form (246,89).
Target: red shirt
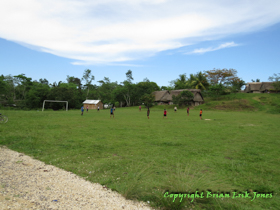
(165,112)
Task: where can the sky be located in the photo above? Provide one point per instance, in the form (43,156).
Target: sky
(155,39)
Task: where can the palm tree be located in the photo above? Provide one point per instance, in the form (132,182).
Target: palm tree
(198,81)
(181,83)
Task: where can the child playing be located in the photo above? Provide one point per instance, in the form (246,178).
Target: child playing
(164,113)
(175,109)
(82,109)
(139,108)
(112,112)
(148,113)
(200,114)
(87,108)
(188,111)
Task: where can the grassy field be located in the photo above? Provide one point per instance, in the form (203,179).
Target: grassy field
(142,159)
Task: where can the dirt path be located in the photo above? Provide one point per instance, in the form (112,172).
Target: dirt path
(26,183)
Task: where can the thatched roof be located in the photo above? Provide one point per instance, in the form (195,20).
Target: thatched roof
(246,89)
(267,86)
(255,86)
(166,96)
(258,86)
(159,94)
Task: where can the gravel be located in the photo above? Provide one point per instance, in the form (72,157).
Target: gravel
(26,183)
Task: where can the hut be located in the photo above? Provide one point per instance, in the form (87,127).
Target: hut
(259,87)
(267,87)
(165,96)
(93,104)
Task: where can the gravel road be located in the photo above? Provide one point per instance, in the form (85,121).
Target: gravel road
(26,183)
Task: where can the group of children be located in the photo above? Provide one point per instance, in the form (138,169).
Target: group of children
(82,109)
(175,110)
(112,110)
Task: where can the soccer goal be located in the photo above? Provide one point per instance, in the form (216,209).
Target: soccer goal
(54,101)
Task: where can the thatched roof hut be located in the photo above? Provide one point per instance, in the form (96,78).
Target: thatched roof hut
(93,104)
(266,87)
(165,96)
(258,87)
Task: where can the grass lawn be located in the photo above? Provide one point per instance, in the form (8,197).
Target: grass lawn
(142,159)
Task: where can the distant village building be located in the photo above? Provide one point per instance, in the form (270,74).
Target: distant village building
(165,96)
(259,87)
(93,104)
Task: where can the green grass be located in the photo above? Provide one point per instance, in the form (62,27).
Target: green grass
(269,103)
(142,159)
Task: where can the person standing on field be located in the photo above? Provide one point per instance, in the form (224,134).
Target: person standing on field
(87,108)
(175,109)
(112,112)
(188,111)
(82,109)
(140,108)
(98,108)
(148,113)
(200,114)
(164,113)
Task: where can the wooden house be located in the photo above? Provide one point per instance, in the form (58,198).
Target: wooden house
(93,104)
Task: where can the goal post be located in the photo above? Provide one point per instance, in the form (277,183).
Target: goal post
(54,101)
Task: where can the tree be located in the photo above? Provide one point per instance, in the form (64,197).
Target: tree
(217,90)
(198,81)
(128,87)
(129,77)
(23,84)
(10,88)
(181,83)
(237,84)
(276,81)
(74,80)
(65,92)
(221,76)
(148,99)
(184,98)
(3,86)
(142,88)
(44,81)
(36,95)
(106,89)
(88,78)
(166,88)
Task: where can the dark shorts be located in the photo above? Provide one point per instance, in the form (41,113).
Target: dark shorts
(112,113)
(175,110)
(187,111)
(98,109)
(200,115)
(164,115)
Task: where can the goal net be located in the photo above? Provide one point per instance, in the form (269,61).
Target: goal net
(54,101)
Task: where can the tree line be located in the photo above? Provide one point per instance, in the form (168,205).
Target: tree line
(25,93)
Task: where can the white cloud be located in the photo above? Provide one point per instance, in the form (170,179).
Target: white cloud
(210,49)
(108,31)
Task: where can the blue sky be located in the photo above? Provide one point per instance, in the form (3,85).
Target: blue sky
(156,39)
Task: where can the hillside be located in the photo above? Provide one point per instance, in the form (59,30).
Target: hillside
(269,103)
